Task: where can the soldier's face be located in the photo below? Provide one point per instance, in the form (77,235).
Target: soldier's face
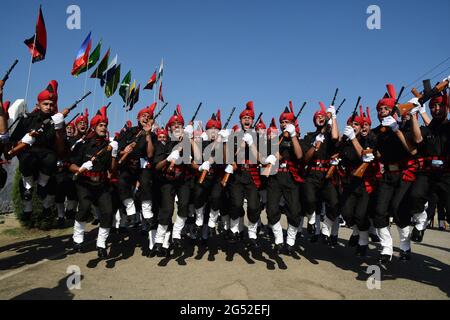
(320,120)
(144,118)
(212,133)
(82,126)
(162,138)
(357,127)
(438,111)
(284,123)
(383,112)
(365,129)
(177,129)
(246,122)
(69,131)
(46,106)
(101,129)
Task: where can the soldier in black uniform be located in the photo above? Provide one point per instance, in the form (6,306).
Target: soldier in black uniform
(318,148)
(40,158)
(174,180)
(433,177)
(357,190)
(394,153)
(92,184)
(4,135)
(284,182)
(130,169)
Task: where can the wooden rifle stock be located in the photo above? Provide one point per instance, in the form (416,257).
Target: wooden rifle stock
(132,146)
(359,172)
(332,170)
(93,159)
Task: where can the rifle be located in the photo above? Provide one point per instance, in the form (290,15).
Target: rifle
(9,71)
(339,108)
(74,117)
(204,172)
(34,133)
(133,144)
(359,172)
(332,169)
(172,164)
(268,168)
(334,98)
(226,176)
(93,159)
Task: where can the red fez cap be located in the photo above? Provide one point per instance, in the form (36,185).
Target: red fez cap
(99,117)
(389,98)
(214,121)
(248,111)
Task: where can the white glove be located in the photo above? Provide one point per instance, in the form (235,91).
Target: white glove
(88,165)
(335,162)
(332,110)
(390,122)
(189,130)
(330,122)
(224,134)
(319,138)
(174,156)
(205,166)
(368,157)
(416,108)
(270,160)
(229,169)
(422,109)
(349,132)
(290,128)
(248,139)
(115,148)
(447,79)
(4,138)
(58,121)
(204,136)
(28,139)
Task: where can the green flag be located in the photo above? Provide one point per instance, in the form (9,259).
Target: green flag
(98,73)
(93,58)
(124,91)
(111,85)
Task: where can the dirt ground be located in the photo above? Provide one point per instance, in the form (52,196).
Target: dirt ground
(34,265)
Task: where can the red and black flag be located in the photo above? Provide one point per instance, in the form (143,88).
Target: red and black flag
(151,82)
(160,95)
(37,44)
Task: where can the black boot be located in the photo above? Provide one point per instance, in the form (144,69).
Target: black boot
(61,222)
(41,192)
(234,237)
(70,214)
(226,235)
(95,222)
(405,255)
(384,259)
(325,239)
(416,235)
(253,243)
(361,251)
(278,248)
(28,194)
(290,250)
(211,232)
(314,238)
(133,221)
(102,253)
(333,241)
(177,244)
(77,247)
(353,241)
(311,229)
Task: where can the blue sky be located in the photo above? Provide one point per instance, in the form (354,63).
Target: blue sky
(227,52)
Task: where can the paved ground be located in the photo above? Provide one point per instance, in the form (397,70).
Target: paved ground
(33,266)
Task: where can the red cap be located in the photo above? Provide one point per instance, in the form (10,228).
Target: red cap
(84,117)
(272,127)
(358,118)
(177,116)
(5,108)
(161,131)
(50,93)
(248,111)
(99,117)
(214,121)
(321,112)
(288,114)
(150,110)
(367,117)
(389,98)
(260,125)
(442,99)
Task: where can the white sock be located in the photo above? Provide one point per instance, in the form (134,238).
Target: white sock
(60,209)
(116,220)
(234,225)
(166,242)
(278,233)
(213,216)
(151,238)
(363,238)
(78,232)
(28,182)
(291,235)
(177,227)
(385,240)
(327,226)
(199,216)
(252,230)
(160,233)
(103,234)
(312,218)
(420,220)
(147,209)
(405,239)
(129,206)
(43,179)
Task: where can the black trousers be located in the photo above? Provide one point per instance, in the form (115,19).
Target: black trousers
(170,189)
(425,186)
(242,186)
(37,160)
(435,203)
(354,203)
(94,194)
(209,192)
(282,184)
(65,187)
(316,188)
(146,185)
(392,196)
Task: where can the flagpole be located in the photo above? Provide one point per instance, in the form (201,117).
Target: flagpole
(85,78)
(29,69)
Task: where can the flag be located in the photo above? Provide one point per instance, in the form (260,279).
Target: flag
(93,58)
(111,85)
(151,82)
(130,94)
(124,91)
(160,96)
(160,71)
(83,55)
(37,44)
(109,72)
(101,66)
(134,98)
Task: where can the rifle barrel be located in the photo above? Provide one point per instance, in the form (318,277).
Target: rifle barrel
(9,70)
(334,98)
